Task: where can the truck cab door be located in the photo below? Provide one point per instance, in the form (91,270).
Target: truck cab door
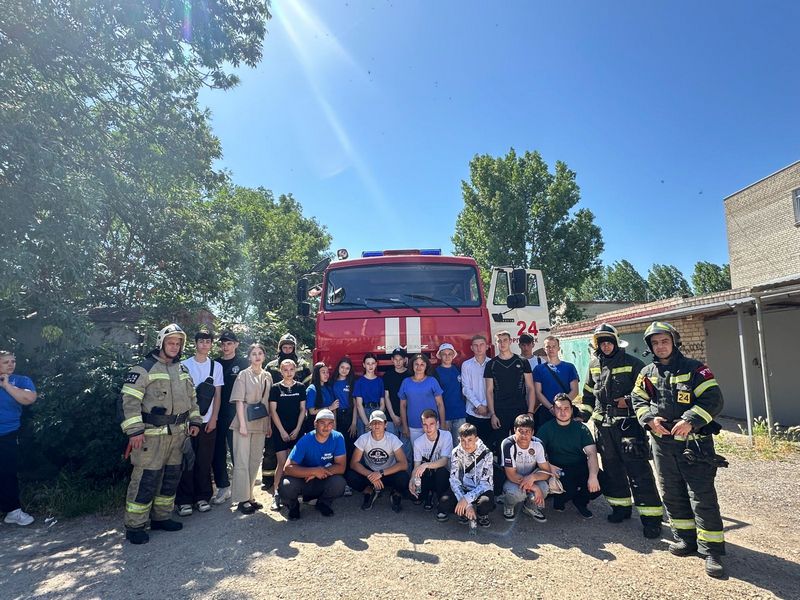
(533,319)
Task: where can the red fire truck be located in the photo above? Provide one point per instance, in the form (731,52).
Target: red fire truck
(417,300)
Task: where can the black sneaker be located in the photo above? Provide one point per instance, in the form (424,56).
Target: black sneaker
(396,500)
(369,500)
(256,505)
(428,502)
(246,508)
(682,548)
(483,521)
(294,511)
(324,509)
(166,525)
(584,511)
(714,567)
(441,517)
(137,536)
(558,504)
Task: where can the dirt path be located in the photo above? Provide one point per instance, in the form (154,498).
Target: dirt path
(223,554)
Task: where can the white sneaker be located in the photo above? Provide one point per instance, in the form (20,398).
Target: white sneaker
(18,517)
(508,512)
(223,495)
(203,506)
(534,512)
(348,491)
(184,510)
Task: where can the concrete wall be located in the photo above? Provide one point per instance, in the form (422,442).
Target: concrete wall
(763,240)
(782,332)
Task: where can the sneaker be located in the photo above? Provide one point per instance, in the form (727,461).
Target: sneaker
(18,517)
(246,508)
(256,505)
(203,506)
(294,511)
(428,505)
(184,510)
(348,491)
(166,525)
(369,500)
(682,548)
(324,509)
(396,503)
(584,511)
(441,517)
(137,536)
(223,495)
(276,502)
(714,567)
(558,504)
(534,512)
(508,512)
(483,521)
(462,520)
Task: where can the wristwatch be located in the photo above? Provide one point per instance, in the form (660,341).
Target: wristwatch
(381,472)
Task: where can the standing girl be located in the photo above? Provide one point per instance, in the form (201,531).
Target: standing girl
(252,424)
(368,392)
(418,393)
(287,405)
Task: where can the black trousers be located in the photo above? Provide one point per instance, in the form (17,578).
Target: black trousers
(9,485)
(576,485)
(195,484)
(484,504)
(436,481)
(484,427)
(689,493)
(396,482)
(222,446)
(623,447)
(324,490)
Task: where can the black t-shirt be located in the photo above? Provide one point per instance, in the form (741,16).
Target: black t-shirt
(288,401)
(509,382)
(230,371)
(391,382)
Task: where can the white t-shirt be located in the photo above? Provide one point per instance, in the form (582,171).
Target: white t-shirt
(379,454)
(199,372)
(423,447)
(523,460)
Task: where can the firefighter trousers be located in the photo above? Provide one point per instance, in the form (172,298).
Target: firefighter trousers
(689,494)
(623,447)
(155,477)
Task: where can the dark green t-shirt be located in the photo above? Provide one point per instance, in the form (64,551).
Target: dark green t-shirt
(564,444)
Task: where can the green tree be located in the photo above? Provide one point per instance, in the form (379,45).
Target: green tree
(516,212)
(709,277)
(666,281)
(624,283)
(106,154)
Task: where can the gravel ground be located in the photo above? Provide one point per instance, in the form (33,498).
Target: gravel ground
(223,554)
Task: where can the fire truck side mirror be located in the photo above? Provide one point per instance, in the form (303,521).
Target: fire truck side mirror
(302,289)
(516,300)
(519,281)
(321,266)
(303,309)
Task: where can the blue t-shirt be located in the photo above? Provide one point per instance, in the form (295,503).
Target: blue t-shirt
(341,391)
(419,395)
(308,452)
(550,387)
(450,380)
(326,397)
(10,409)
(370,390)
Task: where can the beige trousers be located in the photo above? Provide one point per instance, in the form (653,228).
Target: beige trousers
(248,452)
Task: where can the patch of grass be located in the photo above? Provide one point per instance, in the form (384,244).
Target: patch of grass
(69,496)
(781,445)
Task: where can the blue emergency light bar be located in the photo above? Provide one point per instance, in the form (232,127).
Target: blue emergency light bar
(423,252)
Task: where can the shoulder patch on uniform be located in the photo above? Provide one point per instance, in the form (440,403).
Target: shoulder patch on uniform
(705,372)
(131,377)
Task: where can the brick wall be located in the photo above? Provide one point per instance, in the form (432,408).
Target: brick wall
(763,240)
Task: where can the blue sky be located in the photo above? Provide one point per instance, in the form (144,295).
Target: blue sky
(369,113)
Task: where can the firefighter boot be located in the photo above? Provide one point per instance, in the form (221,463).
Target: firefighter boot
(682,548)
(714,566)
(166,525)
(619,514)
(651,527)
(137,536)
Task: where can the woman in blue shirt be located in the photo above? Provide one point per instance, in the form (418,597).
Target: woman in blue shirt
(319,394)
(368,392)
(418,392)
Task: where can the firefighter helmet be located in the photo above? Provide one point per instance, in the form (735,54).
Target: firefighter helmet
(662,327)
(604,330)
(287,338)
(171,329)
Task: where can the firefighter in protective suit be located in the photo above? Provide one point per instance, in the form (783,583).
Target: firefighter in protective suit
(160,411)
(621,441)
(677,398)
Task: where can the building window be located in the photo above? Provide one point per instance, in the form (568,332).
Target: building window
(796,198)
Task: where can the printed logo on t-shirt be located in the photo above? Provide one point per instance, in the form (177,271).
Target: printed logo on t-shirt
(235,369)
(378,456)
(327,458)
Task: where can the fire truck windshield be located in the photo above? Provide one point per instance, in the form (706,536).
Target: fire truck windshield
(404,285)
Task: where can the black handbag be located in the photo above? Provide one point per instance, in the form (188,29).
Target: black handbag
(206,390)
(259,410)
